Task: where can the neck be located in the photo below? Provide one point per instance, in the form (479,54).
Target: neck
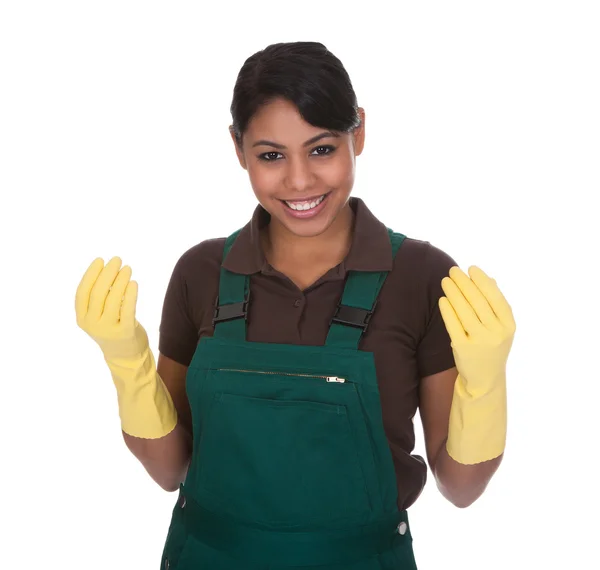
(282,247)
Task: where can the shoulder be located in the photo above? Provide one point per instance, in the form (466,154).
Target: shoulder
(192,288)
(411,293)
(195,276)
(415,280)
(189,298)
(424,261)
(201,258)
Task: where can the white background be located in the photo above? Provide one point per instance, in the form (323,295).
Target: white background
(483,138)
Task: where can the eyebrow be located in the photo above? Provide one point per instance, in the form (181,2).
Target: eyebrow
(307,143)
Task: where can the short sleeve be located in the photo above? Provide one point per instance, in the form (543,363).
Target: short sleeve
(434,353)
(178,336)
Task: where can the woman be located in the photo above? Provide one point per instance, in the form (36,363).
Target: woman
(306,341)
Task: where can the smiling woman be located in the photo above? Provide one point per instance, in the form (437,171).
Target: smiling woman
(302,207)
(295,353)
(310,175)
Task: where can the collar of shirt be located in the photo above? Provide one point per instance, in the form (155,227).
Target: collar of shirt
(370,249)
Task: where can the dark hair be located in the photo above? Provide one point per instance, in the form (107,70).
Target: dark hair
(305,73)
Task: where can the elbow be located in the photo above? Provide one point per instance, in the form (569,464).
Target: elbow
(168,486)
(462,484)
(170,482)
(461,498)
(462,502)
(166,460)
(462,493)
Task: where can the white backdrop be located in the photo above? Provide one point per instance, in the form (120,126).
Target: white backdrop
(482,137)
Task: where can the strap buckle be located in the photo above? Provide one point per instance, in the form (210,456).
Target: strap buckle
(230,311)
(353,316)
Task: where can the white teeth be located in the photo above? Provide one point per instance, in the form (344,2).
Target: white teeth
(303,206)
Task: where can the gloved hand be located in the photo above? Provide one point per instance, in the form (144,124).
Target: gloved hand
(105,305)
(481,327)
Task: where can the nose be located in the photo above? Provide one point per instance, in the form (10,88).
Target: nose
(299,176)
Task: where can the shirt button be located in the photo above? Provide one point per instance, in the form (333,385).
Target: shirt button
(402,528)
(297,302)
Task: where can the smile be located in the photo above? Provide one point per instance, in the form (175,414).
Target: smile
(304,205)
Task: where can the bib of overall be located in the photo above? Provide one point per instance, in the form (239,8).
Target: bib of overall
(290,465)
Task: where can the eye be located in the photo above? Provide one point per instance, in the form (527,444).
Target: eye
(273,156)
(324,150)
(269,156)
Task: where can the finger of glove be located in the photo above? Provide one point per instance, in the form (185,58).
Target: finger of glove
(476,298)
(494,296)
(129,303)
(114,300)
(84,289)
(102,287)
(464,311)
(452,322)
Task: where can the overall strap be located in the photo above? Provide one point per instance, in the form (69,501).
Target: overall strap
(358,302)
(231,307)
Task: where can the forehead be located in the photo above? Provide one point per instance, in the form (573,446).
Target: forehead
(280,120)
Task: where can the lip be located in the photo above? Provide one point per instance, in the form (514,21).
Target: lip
(305,214)
(307,199)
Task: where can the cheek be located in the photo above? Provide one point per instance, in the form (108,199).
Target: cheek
(264,179)
(340,172)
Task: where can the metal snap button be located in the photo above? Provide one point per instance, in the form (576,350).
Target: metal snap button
(402,527)
(167,565)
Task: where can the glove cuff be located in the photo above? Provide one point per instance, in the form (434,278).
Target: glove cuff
(478,423)
(146,408)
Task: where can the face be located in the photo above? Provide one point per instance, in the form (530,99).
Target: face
(302,175)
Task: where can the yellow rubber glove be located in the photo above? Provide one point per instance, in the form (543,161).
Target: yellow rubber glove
(105,305)
(481,327)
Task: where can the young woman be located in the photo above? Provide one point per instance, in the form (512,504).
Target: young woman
(293,355)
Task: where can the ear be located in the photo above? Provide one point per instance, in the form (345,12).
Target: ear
(239,152)
(358,133)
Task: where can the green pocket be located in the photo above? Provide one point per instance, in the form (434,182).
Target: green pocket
(282,462)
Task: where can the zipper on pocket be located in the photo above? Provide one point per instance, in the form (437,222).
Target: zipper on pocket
(334,379)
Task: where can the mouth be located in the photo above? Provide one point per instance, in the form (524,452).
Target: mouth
(306,204)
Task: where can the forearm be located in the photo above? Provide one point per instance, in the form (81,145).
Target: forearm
(166,459)
(462,484)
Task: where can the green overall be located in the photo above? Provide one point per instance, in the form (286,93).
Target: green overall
(290,466)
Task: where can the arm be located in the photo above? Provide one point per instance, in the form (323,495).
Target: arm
(149,396)
(461,484)
(464,408)
(167,459)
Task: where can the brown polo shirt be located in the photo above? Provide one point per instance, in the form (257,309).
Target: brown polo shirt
(406,334)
